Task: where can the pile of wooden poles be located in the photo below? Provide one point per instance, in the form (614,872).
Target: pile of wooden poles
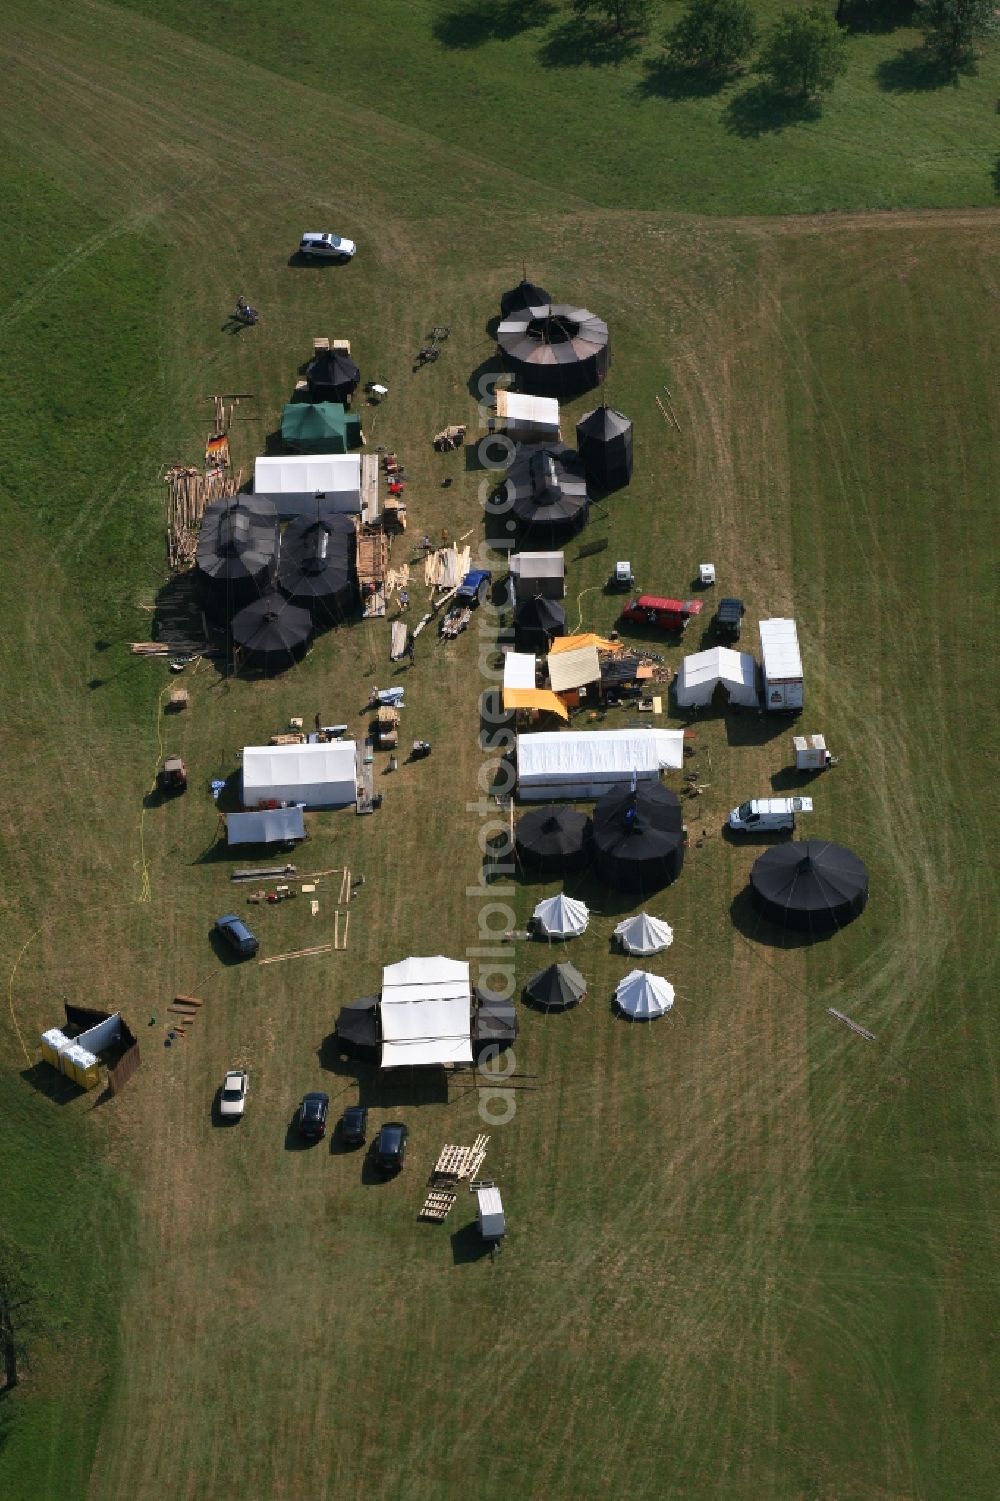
(189,491)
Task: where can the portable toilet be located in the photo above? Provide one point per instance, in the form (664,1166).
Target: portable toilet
(489,1213)
(81,1066)
(53,1044)
(810,753)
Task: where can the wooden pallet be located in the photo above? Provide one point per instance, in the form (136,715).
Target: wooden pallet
(438,1205)
(477,1154)
(452,1162)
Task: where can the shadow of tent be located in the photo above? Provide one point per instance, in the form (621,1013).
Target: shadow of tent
(756,726)
(750,921)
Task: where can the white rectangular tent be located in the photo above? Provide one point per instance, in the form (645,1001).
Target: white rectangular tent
(266,826)
(315,776)
(538,573)
(573,669)
(528,419)
(585,763)
(426,1012)
(701,674)
(306,484)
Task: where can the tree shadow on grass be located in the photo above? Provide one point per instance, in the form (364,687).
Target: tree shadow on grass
(665,79)
(915,70)
(873,17)
(577,44)
(761,110)
(473,24)
(995,175)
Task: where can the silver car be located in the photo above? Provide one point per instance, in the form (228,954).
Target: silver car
(327,247)
(233,1095)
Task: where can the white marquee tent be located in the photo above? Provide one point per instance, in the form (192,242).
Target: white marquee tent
(643,934)
(316,776)
(643,996)
(426,1012)
(266,826)
(582,764)
(528,419)
(562,916)
(701,674)
(308,484)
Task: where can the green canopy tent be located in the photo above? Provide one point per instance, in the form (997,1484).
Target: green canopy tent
(323,427)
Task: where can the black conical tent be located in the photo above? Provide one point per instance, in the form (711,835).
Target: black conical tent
(553,839)
(556,988)
(271,633)
(810,884)
(639,837)
(526,294)
(332,376)
(604,442)
(317,567)
(546,491)
(356,1030)
(237,551)
(537,623)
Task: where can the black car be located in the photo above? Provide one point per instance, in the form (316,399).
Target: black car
(312,1116)
(354,1126)
(390,1146)
(729,618)
(236,933)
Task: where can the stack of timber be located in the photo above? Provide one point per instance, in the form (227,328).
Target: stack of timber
(373,561)
(189,491)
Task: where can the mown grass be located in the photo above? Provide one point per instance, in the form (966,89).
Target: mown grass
(748,1252)
(613,121)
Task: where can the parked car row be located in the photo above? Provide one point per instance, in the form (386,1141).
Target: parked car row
(388,1148)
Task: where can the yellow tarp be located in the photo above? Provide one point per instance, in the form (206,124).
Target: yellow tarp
(534,698)
(572,643)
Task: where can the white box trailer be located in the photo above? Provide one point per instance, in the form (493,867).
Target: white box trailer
(811,753)
(489,1213)
(782,665)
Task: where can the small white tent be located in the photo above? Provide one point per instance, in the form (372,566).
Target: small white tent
(562,916)
(426,1012)
(701,674)
(266,826)
(528,419)
(538,573)
(643,934)
(309,484)
(316,776)
(582,764)
(643,996)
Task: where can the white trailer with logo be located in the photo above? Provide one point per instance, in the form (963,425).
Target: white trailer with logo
(782,665)
(490,1217)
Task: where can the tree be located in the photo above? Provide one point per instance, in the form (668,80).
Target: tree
(953,27)
(804,53)
(624,17)
(713,36)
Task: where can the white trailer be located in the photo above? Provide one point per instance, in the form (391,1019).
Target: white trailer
(811,753)
(782,665)
(489,1213)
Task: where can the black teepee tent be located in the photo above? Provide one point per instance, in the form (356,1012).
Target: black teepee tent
(537,623)
(271,634)
(556,988)
(546,492)
(332,376)
(317,567)
(810,884)
(553,839)
(237,551)
(604,442)
(526,294)
(639,837)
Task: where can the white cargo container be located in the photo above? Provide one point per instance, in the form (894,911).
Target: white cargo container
(766,815)
(782,664)
(811,753)
(489,1213)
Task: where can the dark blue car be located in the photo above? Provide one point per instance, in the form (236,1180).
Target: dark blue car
(236,933)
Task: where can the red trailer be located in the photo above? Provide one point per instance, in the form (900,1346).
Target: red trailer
(665,614)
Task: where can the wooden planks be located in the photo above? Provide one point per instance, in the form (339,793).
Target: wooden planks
(854,1026)
(319,948)
(438,1205)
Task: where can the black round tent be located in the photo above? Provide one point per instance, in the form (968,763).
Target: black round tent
(332,376)
(810,884)
(537,623)
(271,634)
(639,837)
(356,1029)
(553,839)
(604,442)
(317,567)
(237,551)
(556,988)
(546,492)
(525,295)
(555,349)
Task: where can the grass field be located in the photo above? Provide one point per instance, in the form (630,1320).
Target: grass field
(750,1255)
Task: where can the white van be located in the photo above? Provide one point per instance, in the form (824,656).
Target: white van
(767,815)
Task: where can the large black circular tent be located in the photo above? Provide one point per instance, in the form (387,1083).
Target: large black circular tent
(810,884)
(546,491)
(553,839)
(604,442)
(271,634)
(556,988)
(237,551)
(356,1029)
(639,837)
(556,349)
(317,566)
(537,623)
(525,295)
(332,376)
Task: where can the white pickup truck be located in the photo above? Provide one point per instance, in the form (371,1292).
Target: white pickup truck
(766,815)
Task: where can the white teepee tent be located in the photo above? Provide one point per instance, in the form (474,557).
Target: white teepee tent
(643,996)
(562,916)
(643,934)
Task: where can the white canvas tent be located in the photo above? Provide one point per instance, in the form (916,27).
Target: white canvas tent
(538,573)
(580,764)
(528,419)
(518,670)
(562,916)
(701,674)
(426,1012)
(643,996)
(573,669)
(643,934)
(266,826)
(308,484)
(315,776)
